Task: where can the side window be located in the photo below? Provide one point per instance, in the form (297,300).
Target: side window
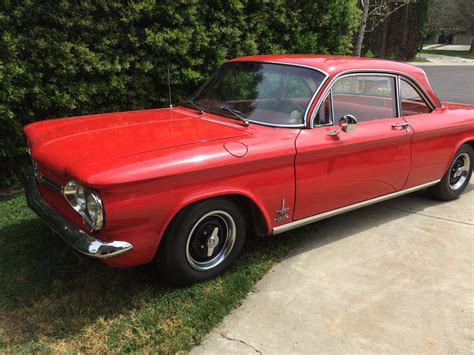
(411,101)
(366,97)
(324,116)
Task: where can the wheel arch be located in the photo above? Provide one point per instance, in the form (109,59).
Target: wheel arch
(468,141)
(259,221)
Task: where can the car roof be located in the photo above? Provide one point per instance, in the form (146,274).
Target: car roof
(335,64)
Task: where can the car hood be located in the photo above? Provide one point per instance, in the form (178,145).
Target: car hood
(65,144)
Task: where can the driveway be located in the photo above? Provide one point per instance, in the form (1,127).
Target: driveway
(392,277)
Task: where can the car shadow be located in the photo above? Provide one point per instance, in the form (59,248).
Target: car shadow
(349,224)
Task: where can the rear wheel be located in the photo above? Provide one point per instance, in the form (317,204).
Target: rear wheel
(457,177)
(203,241)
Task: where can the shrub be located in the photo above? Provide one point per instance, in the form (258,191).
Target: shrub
(64,58)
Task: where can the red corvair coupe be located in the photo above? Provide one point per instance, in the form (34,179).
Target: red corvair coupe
(268,144)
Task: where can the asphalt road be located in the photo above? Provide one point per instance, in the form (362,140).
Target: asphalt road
(452,83)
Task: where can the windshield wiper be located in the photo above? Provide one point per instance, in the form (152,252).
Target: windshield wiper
(236,114)
(201,108)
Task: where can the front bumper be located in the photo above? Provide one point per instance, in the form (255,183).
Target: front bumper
(75,237)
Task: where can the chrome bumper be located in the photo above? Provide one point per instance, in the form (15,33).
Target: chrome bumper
(77,238)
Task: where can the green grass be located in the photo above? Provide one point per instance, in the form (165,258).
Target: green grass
(52,299)
(463,54)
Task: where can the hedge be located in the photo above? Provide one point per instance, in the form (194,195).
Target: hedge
(70,57)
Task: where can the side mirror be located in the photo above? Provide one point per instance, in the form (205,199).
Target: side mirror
(348,123)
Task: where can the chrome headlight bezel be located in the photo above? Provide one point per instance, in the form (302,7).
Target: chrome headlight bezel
(77,195)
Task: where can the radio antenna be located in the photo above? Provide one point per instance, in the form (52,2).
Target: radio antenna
(169,86)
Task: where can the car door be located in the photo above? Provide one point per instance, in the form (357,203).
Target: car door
(437,134)
(334,168)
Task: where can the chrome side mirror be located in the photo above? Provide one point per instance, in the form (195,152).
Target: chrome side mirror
(348,123)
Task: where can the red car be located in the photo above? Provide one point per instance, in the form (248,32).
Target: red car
(268,144)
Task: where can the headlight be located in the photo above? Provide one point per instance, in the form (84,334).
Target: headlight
(87,203)
(75,194)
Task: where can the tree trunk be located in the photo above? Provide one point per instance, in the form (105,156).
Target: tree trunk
(363,23)
(472,44)
(383,44)
(403,47)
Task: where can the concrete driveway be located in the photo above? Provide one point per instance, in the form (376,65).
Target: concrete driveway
(393,277)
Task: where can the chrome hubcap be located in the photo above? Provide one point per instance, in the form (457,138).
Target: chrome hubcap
(459,171)
(210,240)
(213,241)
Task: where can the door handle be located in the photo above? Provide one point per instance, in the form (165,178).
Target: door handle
(401,125)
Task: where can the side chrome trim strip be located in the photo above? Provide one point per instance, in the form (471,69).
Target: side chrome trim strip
(56,187)
(302,222)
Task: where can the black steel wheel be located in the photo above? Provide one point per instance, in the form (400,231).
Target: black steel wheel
(203,241)
(457,177)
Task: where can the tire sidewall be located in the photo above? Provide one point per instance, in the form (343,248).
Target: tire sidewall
(445,192)
(173,258)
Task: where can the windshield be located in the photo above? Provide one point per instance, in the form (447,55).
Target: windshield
(275,94)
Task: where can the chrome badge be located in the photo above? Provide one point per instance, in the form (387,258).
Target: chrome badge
(281,213)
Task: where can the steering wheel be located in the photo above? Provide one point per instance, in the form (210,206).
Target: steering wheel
(294,110)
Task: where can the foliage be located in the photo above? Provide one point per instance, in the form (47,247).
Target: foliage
(64,58)
(370,54)
(53,300)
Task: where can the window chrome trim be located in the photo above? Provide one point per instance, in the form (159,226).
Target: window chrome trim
(389,72)
(331,118)
(311,219)
(397,96)
(328,91)
(308,107)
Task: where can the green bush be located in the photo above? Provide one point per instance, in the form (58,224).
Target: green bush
(66,57)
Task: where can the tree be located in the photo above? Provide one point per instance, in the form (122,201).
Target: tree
(363,24)
(457,14)
(377,12)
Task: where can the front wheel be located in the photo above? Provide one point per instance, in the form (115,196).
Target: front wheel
(203,241)
(457,177)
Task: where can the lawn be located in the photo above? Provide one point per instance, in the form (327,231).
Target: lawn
(53,299)
(463,54)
